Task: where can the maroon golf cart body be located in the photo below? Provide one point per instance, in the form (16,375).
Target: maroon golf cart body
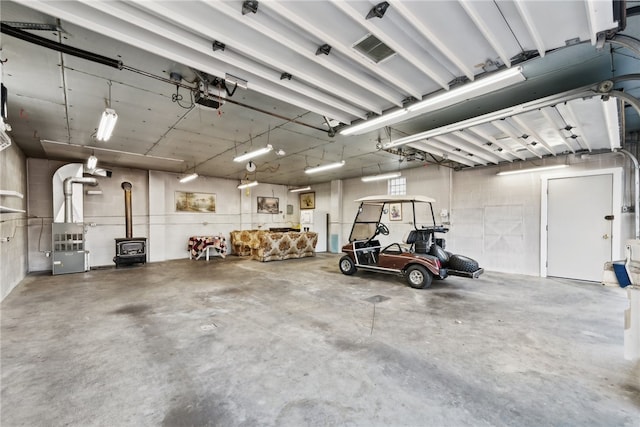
(420,258)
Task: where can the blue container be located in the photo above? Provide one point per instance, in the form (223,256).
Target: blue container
(620,269)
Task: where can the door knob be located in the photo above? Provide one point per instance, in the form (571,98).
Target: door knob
(605,236)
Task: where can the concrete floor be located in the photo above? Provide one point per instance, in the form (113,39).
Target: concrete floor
(235,342)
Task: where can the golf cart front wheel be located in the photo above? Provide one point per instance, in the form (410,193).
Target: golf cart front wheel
(347,266)
(418,277)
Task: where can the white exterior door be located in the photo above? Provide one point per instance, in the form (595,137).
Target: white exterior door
(579,236)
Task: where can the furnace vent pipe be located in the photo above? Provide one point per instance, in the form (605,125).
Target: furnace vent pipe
(128,215)
(636,191)
(635,103)
(68,193)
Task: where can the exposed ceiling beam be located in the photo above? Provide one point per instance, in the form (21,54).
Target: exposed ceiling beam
(485,135)
(432,37)
(261,23)
(453,141)
(610,111)
(240,50)
(568,108)
(88,17)
(522,125)
(475,12)
(552,116)
(422,146)
(468,136)
(513,134)
(322,34)
(397,40)
(531,26)
(456,152)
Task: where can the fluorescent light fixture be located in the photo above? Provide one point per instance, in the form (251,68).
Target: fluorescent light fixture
(538,169)
(94,192)
(247,185)
(299,189)
(252,154)
(325,167)
(374,123)
(478,87)
(188,178)
(481,86)
(92,162)
(381,176)
(107,123)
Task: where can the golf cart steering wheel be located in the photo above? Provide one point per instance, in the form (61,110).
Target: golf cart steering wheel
(382,229)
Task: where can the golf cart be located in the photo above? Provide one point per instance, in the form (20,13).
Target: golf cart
(420,258)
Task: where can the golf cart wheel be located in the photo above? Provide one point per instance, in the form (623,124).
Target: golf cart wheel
(463,263)
(347,266)
(418,277)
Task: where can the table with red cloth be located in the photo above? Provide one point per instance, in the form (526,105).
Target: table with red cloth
(207,246)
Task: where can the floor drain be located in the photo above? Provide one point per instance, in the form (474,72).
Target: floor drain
(376,299)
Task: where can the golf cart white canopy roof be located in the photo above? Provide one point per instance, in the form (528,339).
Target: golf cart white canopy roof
(397,198)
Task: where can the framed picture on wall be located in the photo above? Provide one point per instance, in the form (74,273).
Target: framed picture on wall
(308,200)
(395,211)
(269,205)
(195,202)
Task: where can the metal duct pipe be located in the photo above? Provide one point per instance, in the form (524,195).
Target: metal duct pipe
(68,193)
(636,191)
(626,41)
(128,216)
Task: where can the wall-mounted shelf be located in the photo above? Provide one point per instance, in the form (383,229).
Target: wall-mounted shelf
(4,209)
(11,193)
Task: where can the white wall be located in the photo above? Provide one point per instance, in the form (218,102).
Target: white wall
(154,213)
(495,220)
(103,214)
(432,181)
(13,226)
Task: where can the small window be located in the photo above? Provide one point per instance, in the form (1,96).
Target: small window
(398,186)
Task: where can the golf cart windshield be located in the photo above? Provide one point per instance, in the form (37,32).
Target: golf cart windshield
(418,210)
(366,221)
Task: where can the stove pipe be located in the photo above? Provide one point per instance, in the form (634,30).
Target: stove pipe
(68,194)
(128,218)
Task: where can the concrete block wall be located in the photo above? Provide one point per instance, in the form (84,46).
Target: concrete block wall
(432,181)
(496,219)
(13,226)
(493,219)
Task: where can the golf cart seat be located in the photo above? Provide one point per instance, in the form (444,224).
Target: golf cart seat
(419,240)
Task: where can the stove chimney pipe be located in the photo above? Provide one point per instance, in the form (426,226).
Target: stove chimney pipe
(128,216)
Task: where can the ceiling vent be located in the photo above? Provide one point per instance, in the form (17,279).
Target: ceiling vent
(373,48)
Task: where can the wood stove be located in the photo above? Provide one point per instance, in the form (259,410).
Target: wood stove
(129,250)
